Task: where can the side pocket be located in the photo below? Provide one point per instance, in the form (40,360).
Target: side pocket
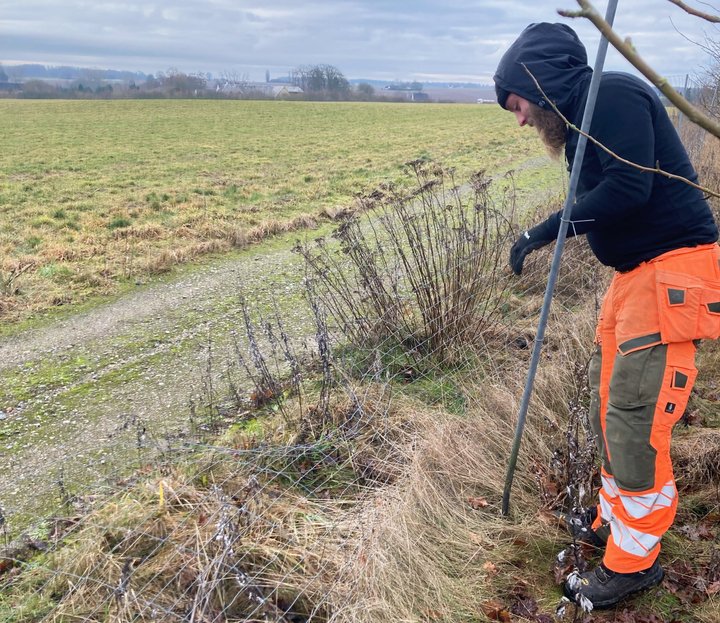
(709,316)
(673,402)
(679,300)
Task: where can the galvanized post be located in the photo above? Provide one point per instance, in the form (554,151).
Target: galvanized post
(687,78)
(565,220)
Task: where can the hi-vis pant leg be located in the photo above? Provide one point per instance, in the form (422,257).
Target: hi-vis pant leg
(648,392)
(640,384)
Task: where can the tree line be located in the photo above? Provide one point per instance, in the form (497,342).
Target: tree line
(318,82)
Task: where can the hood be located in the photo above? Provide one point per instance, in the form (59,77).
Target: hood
(558,60)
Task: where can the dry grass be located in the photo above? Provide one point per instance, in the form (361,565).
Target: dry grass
(370,523)
(696,459)
(382,532)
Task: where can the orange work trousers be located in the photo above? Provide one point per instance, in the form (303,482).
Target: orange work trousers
(640,380)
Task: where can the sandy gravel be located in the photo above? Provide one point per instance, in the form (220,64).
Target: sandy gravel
(137,360)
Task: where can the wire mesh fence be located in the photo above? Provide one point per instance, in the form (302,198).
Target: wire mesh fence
(416,317)
(702,92)
(359,477)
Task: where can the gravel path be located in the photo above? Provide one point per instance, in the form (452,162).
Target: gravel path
(151,303)
(97,378)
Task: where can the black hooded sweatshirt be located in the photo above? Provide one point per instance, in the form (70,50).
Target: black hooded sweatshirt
(629,216)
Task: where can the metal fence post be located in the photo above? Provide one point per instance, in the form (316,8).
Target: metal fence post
(712,105)
(567,210)
(680,118)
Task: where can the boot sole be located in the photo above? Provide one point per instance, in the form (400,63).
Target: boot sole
(651,580)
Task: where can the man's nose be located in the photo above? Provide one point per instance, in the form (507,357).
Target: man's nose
(521,119)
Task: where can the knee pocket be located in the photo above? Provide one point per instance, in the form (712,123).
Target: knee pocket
(637,377)
(634,389)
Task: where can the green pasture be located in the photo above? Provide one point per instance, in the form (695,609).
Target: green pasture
(96,192)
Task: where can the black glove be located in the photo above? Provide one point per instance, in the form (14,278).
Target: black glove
(531,240)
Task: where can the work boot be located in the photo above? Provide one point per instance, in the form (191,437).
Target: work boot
(604,588)
(580,527)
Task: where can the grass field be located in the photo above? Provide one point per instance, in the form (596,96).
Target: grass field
(94,193)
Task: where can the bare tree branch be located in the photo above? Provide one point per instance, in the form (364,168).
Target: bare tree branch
(657,168)
(234,79)
(706,16)
(708,4)
(702,46)
(627,49)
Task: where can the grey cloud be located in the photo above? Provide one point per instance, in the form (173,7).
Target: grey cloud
(364,38)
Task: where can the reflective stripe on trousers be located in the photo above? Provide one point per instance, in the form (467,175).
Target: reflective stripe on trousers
(640,383)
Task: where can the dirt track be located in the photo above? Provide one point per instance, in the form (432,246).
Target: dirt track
(135,358)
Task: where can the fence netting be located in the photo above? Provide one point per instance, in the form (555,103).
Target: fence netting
(353,473)
(702,92)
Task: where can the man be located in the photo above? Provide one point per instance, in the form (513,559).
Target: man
(660,236)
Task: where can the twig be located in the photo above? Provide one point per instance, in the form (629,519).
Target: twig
(5,283)
(657,168)
(706,16)
(627,49)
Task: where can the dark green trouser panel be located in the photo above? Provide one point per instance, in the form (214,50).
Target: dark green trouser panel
(634,389)
(594,371)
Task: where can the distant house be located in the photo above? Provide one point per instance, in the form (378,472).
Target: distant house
(286,91)
(482,101)
(227,88)
(419,96)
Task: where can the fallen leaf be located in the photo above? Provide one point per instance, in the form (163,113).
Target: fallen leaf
(670,586)
(704,531)
(478,503)
(549,488)
(525,607)
(713,588)
(520,542)
(696,532)
(561,570)
(495,611)
(548,517)
(490,567)
(432,614)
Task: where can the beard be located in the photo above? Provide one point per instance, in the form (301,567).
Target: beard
(551,129)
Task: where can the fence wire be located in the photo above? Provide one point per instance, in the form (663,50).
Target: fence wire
(358,453)
(702,92)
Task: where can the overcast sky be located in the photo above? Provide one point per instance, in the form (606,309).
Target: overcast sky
(398,39)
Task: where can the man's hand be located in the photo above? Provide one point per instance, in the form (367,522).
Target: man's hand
(531,240)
